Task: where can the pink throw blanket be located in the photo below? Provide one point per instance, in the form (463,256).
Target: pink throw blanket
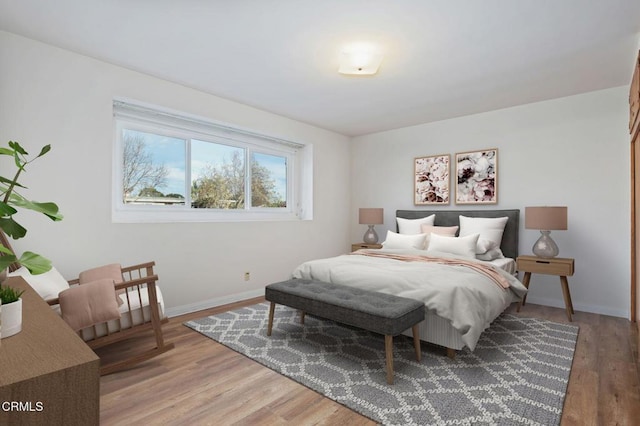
(485,270)
(88,304)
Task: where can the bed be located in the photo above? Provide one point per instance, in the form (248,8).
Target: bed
(458,306)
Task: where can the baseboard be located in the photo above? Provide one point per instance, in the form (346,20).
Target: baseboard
(212,303)
(237,297)
(594,309)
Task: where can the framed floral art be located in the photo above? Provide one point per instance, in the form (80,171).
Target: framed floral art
(477,177)
(431,180)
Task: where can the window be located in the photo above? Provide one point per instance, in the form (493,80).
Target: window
(170,167)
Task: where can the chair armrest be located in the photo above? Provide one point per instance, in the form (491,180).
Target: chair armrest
(149,281)
(145,265)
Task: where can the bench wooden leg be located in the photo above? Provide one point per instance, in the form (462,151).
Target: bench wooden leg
(388,348)
(272,309)
(451,353)
(416,341)
(302,317)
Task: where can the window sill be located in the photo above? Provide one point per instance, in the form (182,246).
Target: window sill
(197,215)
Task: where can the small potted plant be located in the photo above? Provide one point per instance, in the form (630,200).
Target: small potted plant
(11,201)
(11,311)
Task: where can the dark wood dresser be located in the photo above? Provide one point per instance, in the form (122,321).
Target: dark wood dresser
(48,375)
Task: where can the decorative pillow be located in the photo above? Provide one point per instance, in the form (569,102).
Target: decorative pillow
(448,231)
(489,228)
(461,246)
(48,285)
(492,254)
(89,304)
(400,241)
(412,226)
(113,271)
(485,245)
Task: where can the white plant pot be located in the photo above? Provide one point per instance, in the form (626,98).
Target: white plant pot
(10,319)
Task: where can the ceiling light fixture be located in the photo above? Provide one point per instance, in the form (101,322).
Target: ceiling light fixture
(360,59)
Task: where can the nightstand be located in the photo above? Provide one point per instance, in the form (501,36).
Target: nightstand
(358,246)
(562,267)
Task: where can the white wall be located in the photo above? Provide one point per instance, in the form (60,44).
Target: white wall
(572,151)
(49,95)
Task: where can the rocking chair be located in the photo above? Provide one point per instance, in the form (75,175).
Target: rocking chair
(141,311)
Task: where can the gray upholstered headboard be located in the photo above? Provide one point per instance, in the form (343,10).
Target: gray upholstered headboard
(509,244)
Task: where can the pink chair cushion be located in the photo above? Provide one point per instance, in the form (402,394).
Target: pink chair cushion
(112,271)
(89,304)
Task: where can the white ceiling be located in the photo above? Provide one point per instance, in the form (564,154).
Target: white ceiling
(443,58)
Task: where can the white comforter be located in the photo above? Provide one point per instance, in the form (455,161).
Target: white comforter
(468,299)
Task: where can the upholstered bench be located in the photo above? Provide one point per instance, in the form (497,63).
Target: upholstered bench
(370,310)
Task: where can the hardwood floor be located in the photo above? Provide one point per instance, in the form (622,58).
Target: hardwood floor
(203,382)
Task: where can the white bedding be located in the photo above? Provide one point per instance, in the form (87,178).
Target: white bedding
(506,264)
(468,300)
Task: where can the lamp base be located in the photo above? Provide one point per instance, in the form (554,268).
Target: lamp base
(545,247)
(370,237)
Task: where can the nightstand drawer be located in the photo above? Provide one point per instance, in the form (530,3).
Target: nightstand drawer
(358,246)
(537,265)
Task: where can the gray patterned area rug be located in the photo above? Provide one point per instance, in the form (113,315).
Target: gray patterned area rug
(518,373)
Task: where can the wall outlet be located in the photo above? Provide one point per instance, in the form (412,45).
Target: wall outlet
(247,276)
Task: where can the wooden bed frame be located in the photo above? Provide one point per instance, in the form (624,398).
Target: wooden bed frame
(435,329)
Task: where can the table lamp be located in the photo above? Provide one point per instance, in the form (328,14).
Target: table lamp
(371,217)
(545,219)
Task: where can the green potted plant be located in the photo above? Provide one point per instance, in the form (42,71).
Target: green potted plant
(11,314)
(11,202)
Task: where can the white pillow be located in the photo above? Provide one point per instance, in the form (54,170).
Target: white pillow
(461,246)
(47,285)
(400,241)
(485,245)
(492,254)
(489,228)
(412,226)
(448,231)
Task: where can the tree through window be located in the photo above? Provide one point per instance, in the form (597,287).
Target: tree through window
(147,161)
(172,167)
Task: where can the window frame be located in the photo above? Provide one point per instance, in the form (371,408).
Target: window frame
(155,120)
